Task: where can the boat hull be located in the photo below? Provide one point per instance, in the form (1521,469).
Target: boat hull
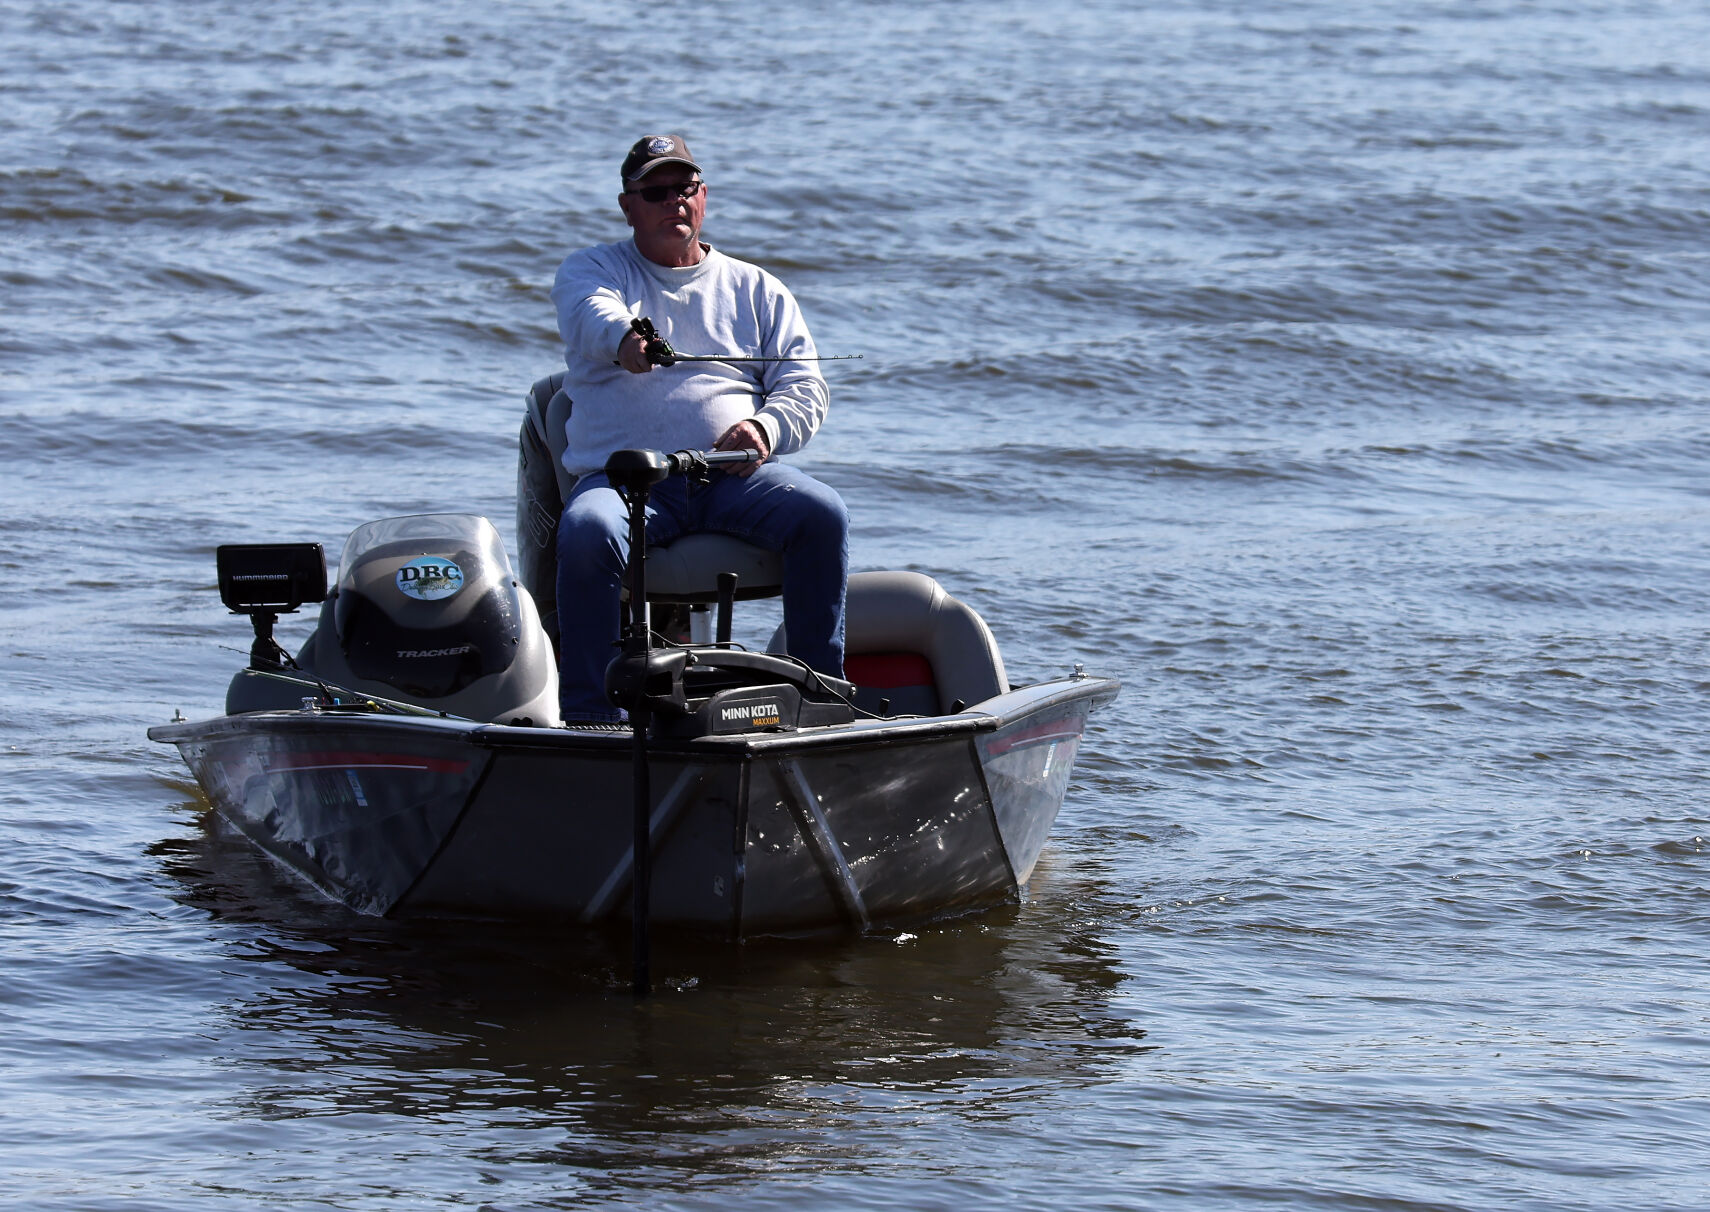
(840,829)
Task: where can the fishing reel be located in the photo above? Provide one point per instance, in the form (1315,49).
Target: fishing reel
(657,348)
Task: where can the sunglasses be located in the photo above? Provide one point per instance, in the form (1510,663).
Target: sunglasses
(660,193)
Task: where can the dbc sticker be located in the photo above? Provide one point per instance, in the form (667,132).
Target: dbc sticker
(429,578)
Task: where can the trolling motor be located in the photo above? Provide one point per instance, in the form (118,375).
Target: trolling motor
(266,580)
(642,678)
(732,690)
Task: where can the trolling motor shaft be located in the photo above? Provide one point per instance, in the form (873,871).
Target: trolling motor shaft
(641,677)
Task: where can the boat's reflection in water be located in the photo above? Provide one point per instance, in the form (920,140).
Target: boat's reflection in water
(530,1026)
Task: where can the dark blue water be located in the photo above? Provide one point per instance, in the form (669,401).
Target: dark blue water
(1333,374)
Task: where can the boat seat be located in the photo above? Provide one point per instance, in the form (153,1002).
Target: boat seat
(684,571)
(910,644)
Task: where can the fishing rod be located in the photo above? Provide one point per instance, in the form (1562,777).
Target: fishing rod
(660,353)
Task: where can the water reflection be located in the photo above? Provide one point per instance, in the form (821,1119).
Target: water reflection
(506,1026)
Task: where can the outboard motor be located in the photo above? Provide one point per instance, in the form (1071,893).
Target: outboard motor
(428,611)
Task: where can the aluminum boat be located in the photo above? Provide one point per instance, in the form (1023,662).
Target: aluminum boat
(409,759)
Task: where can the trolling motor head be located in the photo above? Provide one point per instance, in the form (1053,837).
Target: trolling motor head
(266,580)
(632,471)
(629,471)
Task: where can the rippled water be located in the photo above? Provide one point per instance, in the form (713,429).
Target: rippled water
(1333,374)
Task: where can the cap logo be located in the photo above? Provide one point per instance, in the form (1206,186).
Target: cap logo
(659,145)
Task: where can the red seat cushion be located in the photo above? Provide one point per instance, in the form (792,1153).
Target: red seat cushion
(887,670)
(894,683)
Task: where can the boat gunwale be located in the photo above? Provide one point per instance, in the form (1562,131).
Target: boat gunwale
(989,716)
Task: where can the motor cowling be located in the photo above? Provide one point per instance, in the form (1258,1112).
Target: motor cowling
(427,610)
(430,624)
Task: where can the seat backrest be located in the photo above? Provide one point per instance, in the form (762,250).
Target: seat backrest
(908,641)
(542,485)
(548,413)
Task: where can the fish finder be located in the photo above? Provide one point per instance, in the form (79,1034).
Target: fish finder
(266,580)
(271,578)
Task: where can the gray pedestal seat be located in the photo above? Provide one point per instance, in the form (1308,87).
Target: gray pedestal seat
(685,571)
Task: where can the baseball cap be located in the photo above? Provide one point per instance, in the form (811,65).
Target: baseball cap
(650,151)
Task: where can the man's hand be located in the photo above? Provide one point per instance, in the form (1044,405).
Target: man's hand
(744,435)
(632,353)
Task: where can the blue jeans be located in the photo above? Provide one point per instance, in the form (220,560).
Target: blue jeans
(778,508)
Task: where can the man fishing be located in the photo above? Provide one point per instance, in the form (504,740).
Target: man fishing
(628,394)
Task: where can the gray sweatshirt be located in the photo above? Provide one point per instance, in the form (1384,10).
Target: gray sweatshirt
(720,306)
